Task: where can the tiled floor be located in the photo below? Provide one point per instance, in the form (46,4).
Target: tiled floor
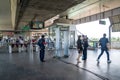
(110,71)
(26,66)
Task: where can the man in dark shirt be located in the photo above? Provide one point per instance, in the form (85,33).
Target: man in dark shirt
(41,43)
(85,46)
(103,43)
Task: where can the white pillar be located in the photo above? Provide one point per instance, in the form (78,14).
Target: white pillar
(19,48)
(36,48)
(57,45)
(10,49)
(66,42)
(31,47)
(72,42)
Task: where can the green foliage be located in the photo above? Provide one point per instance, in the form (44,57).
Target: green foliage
(115,39)
(94,39)
(112,39)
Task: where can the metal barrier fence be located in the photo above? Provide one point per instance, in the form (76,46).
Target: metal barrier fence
(22,48)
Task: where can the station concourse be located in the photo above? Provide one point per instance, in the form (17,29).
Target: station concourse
(22,22)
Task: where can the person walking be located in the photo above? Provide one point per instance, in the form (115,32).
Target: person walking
(41,44)
(103,43)
(80,49)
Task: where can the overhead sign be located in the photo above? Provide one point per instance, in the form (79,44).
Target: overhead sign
(36,25)
(102,22)
(64,28)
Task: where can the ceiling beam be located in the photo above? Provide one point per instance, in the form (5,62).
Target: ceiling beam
(21,9)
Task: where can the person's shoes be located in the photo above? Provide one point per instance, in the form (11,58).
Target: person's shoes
(109,61)
(83,59)
(77,65)
(43,61)
(98,60)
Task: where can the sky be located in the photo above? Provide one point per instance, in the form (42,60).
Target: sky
(96,30)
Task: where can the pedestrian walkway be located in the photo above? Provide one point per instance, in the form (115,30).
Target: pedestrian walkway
(109,71)
(27,66)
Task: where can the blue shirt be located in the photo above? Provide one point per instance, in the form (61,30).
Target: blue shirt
(103,42)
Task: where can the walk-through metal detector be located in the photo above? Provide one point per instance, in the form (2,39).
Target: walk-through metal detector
(61,39)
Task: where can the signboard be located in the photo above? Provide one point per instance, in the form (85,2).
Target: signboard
(64,28)
(36,25)
(25,28)
(102,22)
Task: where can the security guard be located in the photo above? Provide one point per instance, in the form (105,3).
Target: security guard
(41,43)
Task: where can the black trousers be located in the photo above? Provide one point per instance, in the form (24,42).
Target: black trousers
(102,51)
(84,57)
(42,54)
